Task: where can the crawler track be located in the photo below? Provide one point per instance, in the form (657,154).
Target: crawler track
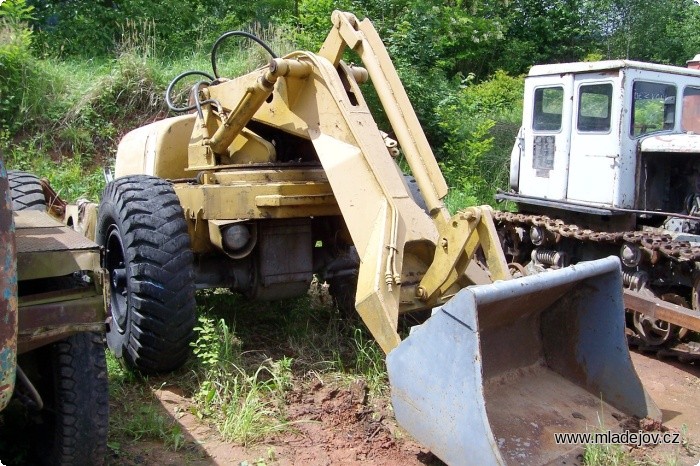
(668,268)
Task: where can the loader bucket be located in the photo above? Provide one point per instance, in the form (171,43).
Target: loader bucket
(500,368)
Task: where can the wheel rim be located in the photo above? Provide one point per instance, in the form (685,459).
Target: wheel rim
(658,332)
(653,332)
(115,265)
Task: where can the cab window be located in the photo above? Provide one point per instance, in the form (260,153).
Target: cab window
(549,102)
(594,108)
(653,107)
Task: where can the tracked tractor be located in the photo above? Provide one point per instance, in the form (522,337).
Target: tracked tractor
(270,178)
(607,162)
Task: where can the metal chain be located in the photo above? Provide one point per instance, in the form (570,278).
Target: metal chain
(652,243)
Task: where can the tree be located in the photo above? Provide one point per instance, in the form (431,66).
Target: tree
(663,31)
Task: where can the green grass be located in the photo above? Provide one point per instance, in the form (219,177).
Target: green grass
(143,419)
(241,377)
(247,356)
(606,455)
(67,121)
(242,400)
(136,414)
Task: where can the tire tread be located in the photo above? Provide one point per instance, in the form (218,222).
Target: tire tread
(157,250)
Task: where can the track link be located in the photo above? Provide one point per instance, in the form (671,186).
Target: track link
(659,249)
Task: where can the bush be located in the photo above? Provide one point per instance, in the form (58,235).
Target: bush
(17,66)
(481,122)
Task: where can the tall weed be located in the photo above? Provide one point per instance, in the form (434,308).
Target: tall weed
(245,403)
(481,122)
(18,69)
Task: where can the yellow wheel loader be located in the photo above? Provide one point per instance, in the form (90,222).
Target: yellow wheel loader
(281,174)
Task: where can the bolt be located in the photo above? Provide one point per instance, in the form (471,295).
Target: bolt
(468,215)
(443,243)
(421,293)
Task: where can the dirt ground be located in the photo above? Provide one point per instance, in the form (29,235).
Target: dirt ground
(675,387)
(329,425)
(334,425)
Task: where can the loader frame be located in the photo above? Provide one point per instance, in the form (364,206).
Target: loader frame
(409,259)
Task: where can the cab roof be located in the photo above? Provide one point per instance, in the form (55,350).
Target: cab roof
(608,65)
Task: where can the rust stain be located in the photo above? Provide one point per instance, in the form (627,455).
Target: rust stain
(8,292)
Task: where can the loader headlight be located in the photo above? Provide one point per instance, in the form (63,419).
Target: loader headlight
(236,237)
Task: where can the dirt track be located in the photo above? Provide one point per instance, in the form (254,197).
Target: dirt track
(332,425)
(675,387)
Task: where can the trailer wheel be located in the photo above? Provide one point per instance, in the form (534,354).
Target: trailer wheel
(658,332)
(26,191)
(75,418)
(147,254)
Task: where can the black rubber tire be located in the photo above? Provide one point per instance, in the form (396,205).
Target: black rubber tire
(26,191)
(147,254)
(76,414)
(343,288)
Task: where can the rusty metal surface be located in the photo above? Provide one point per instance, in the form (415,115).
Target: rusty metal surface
(8,292)
(536,403)
(46,248)
(34,219)
(53,316)
(662,310)
(649,241)
(52,239)
(653,244)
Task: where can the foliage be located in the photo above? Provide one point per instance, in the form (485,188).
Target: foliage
(541,31)
(88,28)
(446,37)
(72,177)
(664,31)
(140,417)
(245,403)
(17,66)
(606,455)
(480,122)
(369,362)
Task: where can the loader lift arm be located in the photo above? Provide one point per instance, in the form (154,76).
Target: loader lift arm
(410,259)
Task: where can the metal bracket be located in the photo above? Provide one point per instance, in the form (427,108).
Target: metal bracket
(459,240)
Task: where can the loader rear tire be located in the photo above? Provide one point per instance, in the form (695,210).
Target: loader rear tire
(147,254)
(26,191)
(343,288)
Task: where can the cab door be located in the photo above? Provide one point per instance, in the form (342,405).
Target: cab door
(595,140)
(545,139)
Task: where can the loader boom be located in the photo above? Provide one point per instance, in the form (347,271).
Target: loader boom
(401,267)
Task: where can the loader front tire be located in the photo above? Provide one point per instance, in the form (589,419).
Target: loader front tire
(147,254)
(26,191)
